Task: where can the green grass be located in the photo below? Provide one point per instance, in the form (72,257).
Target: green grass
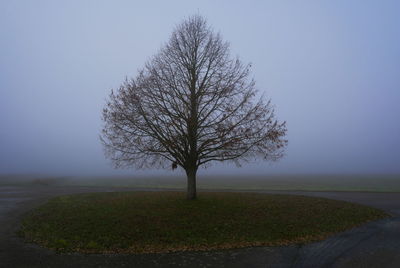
(144,222)
(356,183)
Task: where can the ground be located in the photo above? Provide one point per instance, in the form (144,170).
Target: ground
(373,245)
(164,221)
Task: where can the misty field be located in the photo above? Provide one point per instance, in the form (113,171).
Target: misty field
(152,222)
(356,183)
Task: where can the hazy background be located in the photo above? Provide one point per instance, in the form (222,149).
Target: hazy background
(331,68)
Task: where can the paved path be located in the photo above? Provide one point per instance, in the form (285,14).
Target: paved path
(375,244)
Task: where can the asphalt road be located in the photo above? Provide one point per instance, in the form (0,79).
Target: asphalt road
(376,244)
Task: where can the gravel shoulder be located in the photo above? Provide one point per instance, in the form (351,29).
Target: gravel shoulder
(371,245)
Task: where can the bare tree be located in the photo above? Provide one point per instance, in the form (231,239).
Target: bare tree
(191,104)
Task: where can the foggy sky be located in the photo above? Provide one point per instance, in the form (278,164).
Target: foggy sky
(331,68)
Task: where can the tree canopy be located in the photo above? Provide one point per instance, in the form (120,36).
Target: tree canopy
(190,105)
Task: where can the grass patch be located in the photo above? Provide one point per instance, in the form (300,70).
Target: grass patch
(144,222)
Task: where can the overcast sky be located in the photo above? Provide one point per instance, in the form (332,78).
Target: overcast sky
(331,68)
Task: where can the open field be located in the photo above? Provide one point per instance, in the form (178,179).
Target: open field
(354,183)
(153,222)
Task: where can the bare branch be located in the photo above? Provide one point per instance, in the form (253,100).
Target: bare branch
(190,105)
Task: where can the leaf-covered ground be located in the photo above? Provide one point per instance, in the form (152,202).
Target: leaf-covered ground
(144,222)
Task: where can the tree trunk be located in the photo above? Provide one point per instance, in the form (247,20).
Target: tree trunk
(191,183)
